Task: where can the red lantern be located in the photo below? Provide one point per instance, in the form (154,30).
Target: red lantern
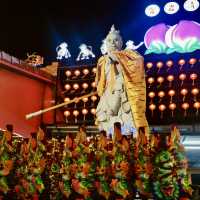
(67,114)
(85,100)
(182,77)
(151,95)
(172,107)
(162,107)
(192,61)
(67,87)
(93,98)
(159,65)
(160,80)
(152,107)
(171,93)
(184,92)
(149,65)
(67,99)
(170,78)
(68,73)
(84,112)
(195,92)
(150,81)
(181,62)
(185,106)
(197,106)
(86,72)
(169,64)
(75,113)
(193,77)
(161,94)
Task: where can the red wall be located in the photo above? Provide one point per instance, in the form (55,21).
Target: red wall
(21,95)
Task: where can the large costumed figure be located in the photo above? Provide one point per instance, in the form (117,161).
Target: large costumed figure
(120,80)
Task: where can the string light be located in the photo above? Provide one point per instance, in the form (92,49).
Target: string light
(181,62)
(172,107)
(160,80)
(67,87)
(75,113)
(171,93)
(151,95)
(185,106)
(182,77)
(152,107)
(150,81)
(162,107)
(192,61)
(170,78)
(197,106)
(195,92)
(193,77)
(77,72)
(159,65)
(184,92)
(161,94)
(169,64)
(149,65)
(84,112)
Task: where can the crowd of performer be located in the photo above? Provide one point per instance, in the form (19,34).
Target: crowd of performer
(96,167)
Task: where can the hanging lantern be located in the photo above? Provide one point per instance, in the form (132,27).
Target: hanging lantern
(161,94)
(93,98)
(162,107)
(84,112)
(182,77)
(75,113)
(185,106)
(67,114)
(93,111)
(86,72)
(193,77)
(68,73)
(171,93)
(184,93)
(77,72)
(76,86)
(160,80)
(85,100)
(67,87)
(181,62)
(197,106)
(93,84)
(84,86)
(172,107)
(149,65)
(67,99)
(151,95)
(159,65)
(195,92)
(170,78)
(169,64)
(192,61)
(150,81)
(94,70)
(152,107)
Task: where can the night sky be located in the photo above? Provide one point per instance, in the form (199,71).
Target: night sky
(36,26)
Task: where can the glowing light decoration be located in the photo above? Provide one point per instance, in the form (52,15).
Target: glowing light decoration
(130,45)
(193,77)
(170,78)
(93,84)
(84,112)
(67,99)
(191,5)
(93,98)
(161,94)
(197,106)
(151,95)
(192,62)
(85,52)
(172,107)
(185,106)
(86,72)
(160,80)
(76,86)
(152,107)
(85,86)
(62,51)
(169,64)
(68,73)
(77,72)
(181,62)
(159,65)
(85,100)
(93,111)
(76,113)
(67,87)
(67,114)
(149,65)
(103,48)
(150,81)
(162,107)
(171,8)
(171,93)
(94,70)
(184,92)
(152,10)
(195,92)
(182,77)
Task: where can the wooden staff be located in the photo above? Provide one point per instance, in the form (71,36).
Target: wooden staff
(76,99)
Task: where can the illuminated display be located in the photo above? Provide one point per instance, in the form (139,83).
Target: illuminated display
(152,10)
(171,8)
(191,5)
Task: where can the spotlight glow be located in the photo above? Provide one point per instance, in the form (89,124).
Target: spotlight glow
(171,8)
(152,10)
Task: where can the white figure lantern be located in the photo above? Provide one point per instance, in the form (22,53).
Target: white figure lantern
(130,45)
(85,52)
(62,51)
